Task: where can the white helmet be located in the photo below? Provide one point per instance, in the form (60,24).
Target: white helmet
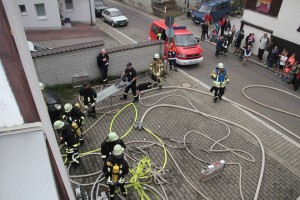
(118,150)
(58,124)
(112,136)
(220,65)
(156,55)
(68,107)
(41,85)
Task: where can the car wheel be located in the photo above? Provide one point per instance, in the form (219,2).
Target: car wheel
(103,19)
(112,24)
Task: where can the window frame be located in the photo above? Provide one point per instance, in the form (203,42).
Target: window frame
(22,13)
(40,17)
(70,3)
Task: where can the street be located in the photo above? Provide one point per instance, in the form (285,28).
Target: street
(240,76)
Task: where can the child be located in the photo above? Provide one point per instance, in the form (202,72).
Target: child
(225,46)
(282,62)
(247,54)
(290,62)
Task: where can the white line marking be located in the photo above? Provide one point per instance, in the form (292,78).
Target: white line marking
(125,5)
(247,112)
(132,40)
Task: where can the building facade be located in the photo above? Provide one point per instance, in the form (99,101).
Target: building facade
(51,14)
(278,18)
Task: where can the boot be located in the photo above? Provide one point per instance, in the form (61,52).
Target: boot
(124,97)
(220,97)
(154,84)
(215,99)
(160,86)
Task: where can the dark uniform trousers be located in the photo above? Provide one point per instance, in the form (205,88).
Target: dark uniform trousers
(133,89)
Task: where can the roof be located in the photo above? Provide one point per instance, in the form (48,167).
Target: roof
(112,9)
(214,2)
(67,48)
(25,170)
(161,23)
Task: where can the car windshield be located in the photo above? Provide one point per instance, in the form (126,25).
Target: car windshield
(116,13)
(99,3)
(205,9)
(185,40)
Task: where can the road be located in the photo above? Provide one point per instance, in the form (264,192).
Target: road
(240,76)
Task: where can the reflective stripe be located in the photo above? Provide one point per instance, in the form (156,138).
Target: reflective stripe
(103,156)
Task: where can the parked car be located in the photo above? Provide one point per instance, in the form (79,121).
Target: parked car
(99,7)
(217,9)
(115,17)
(54,105)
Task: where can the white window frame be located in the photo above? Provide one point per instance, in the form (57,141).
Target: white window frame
(71,3)
(22,13)
(40,17)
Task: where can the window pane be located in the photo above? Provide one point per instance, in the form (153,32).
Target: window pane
(22,8)
(69,4)
(40,9)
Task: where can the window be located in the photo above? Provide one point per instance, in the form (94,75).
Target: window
(22,9)
(40,10)
(155,29)
(69,4)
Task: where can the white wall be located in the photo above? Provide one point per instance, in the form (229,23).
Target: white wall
(80,12)
(9,109)
(31,21)
(145,5)
(284,26)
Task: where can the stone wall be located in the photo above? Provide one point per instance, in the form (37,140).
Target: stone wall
(59,66)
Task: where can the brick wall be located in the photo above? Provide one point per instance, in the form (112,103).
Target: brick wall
(58,66)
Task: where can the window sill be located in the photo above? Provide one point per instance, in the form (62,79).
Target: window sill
(23,14)
(42,17)
(70,10)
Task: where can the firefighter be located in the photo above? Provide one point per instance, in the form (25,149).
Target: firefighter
(220,79)
(88,95)
(115,168)
(75,118)
(130,73)
(172,56)
(70,139)
(156,70)
(108,145)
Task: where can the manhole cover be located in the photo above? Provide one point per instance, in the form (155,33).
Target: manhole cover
(187,85)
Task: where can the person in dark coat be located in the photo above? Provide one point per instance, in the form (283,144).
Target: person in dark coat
(204,30)
(219,46)
(108,144)
(103,61)
(115,168)
(130,74)
(89,95)
(69,138)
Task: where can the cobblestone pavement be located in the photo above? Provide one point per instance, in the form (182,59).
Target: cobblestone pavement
(173,123)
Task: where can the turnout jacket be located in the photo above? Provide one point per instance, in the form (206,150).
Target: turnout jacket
(111,161)
(107,147)
(156,67)
(69,137)
(219,78)
(75,115)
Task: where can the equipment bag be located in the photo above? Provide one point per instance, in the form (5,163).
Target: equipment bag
(144,86)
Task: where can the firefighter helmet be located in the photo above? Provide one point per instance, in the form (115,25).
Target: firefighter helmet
(58,124)
(41,85)
(118,150)
(156,55)
(112,136)
(220,66)
(68,107)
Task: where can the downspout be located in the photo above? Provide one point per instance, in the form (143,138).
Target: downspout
(92,23)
